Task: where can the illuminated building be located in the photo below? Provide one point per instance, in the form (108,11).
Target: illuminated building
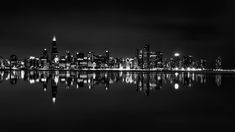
(159,60)
(153,60)
(107,58)
(44,60)
(90,59)
(218,63)
(140,59)
(187,61)
(146,55)
(177,60)
(203,63)
(54,51)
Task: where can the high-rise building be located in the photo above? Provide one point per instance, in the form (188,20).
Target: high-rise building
(107,56)
(159,59)
(218,63)
(203,63)
(177,60)
(187,61)
(146,55)
(45,54)
(140,59)
(90,56)
(54,51)
(153,59)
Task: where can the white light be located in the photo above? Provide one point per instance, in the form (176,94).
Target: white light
(176,86)
(43,79)
(176,74)
(45,89)
(53,99)
(54,38)
(31,81)
(56,79)
(31,57)
(177,54)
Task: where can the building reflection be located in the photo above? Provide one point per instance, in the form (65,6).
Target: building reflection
(145,82)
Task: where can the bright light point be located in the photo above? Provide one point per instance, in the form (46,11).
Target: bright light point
(176,86)
(54,38)
(53,99)
(45,89)
(177,54)
(176,74)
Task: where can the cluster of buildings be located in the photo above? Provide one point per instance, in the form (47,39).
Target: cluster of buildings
(144,59)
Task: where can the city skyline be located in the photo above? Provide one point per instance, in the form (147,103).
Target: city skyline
(142,59)
(199,28)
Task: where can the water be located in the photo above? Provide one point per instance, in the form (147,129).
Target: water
(88,101)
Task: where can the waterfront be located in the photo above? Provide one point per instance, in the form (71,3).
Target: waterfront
(73,100)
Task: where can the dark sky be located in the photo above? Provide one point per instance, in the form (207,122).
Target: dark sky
(199,28)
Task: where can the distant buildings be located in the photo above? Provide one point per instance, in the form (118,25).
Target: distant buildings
(143,59)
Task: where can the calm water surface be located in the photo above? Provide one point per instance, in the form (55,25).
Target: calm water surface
(88,101)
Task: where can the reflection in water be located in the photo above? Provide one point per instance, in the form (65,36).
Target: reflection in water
(218,79)
(143,81)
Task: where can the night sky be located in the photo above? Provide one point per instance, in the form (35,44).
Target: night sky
(199,28)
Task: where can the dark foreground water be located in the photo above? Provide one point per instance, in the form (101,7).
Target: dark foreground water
(115,101)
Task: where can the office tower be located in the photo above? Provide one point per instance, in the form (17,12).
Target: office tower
(90,56)
(140,59)
(54,51)
(136,59)
(203,63)
(90,59)
(68,57)
(187,61)
(107,57)
(177,60)
(218,63)
(159,59)
(146,54)
(44,59)
(153,59)
(45,54)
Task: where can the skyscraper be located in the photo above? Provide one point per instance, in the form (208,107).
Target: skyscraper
(146,55)
(54,51)
(159,59)
(218,63)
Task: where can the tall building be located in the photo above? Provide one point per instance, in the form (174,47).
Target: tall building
(159,59)
(45,54)
(218,63)
(54,51)
(140,59)
(44,60)
(90,56)
(153,59)
(177,60)
(146,55)
(90,59)
(187,61)
(107,55)
(203,63)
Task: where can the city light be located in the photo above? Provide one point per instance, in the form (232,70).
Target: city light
(177,54)
(143,60)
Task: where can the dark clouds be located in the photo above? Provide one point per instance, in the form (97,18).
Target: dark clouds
(199,28)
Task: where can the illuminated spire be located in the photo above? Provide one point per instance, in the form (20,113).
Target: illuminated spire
(54,38)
